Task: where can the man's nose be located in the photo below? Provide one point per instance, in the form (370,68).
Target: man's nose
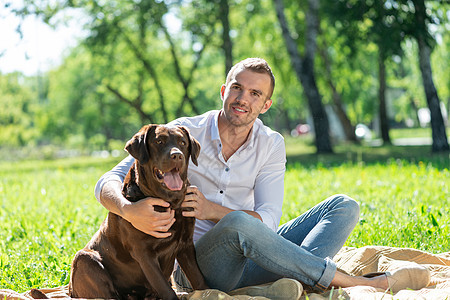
(243,96)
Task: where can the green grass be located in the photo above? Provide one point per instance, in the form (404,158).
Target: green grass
(410,132)
(402,204)
(48,210)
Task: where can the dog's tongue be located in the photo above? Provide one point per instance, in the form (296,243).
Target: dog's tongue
(173,181)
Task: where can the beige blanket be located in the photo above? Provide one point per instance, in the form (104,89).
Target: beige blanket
(354,261)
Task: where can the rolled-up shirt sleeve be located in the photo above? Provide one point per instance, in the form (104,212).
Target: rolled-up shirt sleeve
(117,173)
(269,187)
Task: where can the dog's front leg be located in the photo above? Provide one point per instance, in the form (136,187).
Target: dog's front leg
(188,262)
(152,271)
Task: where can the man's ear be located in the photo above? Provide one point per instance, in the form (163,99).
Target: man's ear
(266,106)
(137,145)
(194,145)
(222,91)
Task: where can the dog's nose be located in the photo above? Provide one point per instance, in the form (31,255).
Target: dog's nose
(176,154)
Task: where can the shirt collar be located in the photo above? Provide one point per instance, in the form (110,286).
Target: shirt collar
(215,127)
(249,143)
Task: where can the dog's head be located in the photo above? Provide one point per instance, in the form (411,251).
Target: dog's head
(162,153)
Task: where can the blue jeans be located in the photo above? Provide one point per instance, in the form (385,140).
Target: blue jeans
(241,251)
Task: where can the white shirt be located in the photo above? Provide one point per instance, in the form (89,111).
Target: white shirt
(251,179)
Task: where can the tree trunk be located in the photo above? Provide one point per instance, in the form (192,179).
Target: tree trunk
(227,45)
(415,109)
(384,120)
(439,136)
(440,142)
(448,110)
(304,69)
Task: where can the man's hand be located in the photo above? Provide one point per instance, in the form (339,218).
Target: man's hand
(142,216)
(203,209)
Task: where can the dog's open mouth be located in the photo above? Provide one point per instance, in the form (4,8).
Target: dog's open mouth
(171,179)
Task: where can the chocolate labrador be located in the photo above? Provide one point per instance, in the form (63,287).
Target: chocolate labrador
(121,262)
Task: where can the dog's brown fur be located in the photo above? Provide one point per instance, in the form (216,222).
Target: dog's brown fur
(122,262)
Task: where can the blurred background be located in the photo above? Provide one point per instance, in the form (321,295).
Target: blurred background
(82,76)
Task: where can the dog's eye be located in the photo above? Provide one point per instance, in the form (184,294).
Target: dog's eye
(159,142)
(182,143)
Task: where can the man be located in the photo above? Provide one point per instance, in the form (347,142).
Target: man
(237,196)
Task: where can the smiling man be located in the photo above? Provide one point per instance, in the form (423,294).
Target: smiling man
(245,95)
(236,197)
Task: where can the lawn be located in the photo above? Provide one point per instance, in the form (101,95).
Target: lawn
(48,210)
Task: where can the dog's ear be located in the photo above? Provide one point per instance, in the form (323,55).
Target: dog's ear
(194,146)
(137,145)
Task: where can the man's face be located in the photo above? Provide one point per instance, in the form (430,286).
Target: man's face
(245,97)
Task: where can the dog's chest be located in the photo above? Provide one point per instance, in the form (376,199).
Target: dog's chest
(183,228)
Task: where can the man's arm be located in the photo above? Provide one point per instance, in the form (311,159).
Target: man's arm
(269,186)
(140,214)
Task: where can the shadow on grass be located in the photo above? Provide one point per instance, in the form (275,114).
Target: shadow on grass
(357,154)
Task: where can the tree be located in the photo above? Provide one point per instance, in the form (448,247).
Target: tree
(135,38)
(227,44)
(338,103)
(18,110)
(424,41)
(304,69)
(373,21)
(79,108)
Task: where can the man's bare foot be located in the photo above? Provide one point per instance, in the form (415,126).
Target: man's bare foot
(380,282)
(344,280)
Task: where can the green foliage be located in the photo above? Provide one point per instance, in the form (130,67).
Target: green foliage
(352,72)
(18,108)
(78,99)
(153,61)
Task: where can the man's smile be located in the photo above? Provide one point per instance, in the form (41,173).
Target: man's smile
(239,110)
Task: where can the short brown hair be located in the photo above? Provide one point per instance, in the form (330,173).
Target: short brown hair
(254,64)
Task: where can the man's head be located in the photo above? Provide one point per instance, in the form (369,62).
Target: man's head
(254,64)
(247,92)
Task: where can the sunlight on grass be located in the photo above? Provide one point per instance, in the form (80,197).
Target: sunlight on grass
(402,205)
(48,212)
(409,132)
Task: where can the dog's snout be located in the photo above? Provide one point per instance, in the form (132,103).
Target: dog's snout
(176,154)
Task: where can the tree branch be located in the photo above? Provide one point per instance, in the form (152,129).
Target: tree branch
(145,117)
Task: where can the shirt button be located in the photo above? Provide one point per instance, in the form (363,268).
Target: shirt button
(227,169)
(221,192)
